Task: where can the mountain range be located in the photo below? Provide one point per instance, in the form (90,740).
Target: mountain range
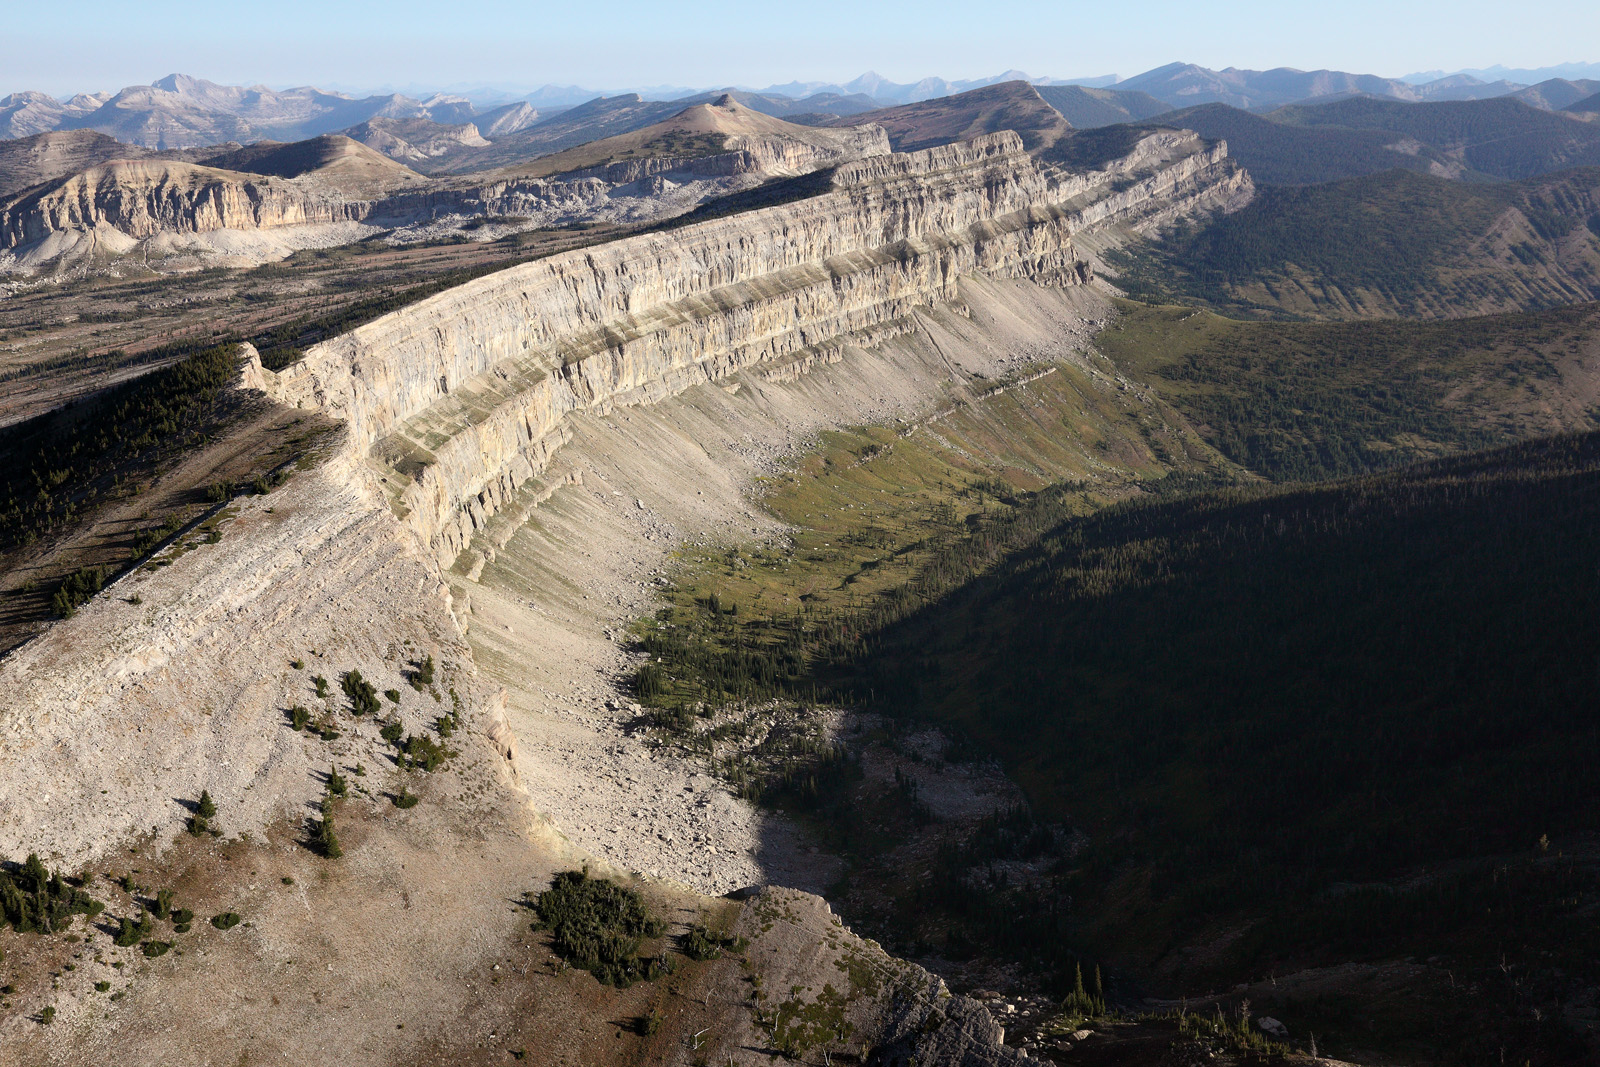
(179,111)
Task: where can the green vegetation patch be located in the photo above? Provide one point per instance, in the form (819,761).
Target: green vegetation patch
(886,516)
(33,898)
(598,925)
(1304,401)
(1382,234)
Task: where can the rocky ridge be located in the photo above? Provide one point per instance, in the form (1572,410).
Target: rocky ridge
(460,399)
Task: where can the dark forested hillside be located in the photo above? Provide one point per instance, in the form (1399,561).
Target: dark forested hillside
(1390,244)
(1308,725)
(1504,138)
(1277,153)
(1305,401)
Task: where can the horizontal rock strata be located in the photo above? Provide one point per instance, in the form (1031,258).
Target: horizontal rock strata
(459,399)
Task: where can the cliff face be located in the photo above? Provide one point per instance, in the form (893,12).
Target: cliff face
(142,198)
(458,400)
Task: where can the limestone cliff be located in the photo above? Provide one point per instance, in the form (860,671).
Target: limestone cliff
(460,399)
(142,198)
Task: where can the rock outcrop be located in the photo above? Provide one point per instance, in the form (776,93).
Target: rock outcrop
(460,399)
(144,198)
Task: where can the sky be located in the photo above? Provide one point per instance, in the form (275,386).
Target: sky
(108,44)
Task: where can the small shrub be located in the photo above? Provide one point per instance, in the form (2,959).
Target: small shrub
(163,906)
(298,664)
(152,949)
(362,693)
(446,726)
(182,917)
(47,1016)
(423,752)
(132,931)
(392,731)
(298,717)
(226,921)
(405,798)
(651,1023)
(424,674)
(393,695)
(320,684)
(701,944)
(102,987)
(337,786)
(361,771)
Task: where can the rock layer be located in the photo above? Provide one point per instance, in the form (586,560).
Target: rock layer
(459,400)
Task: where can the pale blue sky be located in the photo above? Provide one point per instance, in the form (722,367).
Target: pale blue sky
(106,44)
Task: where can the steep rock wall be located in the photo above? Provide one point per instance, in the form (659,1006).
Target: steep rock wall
(459,399)
(144,198)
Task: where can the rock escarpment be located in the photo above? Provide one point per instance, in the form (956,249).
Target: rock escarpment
(143,198)
(460,399)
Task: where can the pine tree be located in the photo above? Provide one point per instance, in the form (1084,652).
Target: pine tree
(208,807)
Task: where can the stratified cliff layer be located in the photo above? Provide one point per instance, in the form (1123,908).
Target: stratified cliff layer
(142,198)
(460,399)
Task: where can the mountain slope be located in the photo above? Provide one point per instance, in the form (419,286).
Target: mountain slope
(1085,108)
(183,112)
(333,161)
(703,130)
(1306,728)
(1390,244)
(1313,400)
(599,118)
(28,161)
(1503,138)
(1185,84)
(1555,94)
(1013,105)
(1277,153)
(422,142)
(26,114)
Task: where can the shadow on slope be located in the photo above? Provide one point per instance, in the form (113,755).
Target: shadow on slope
(1303,727)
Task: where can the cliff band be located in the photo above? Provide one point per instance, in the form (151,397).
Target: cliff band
(458,400)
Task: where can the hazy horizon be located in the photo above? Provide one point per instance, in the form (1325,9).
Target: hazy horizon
(406,44)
